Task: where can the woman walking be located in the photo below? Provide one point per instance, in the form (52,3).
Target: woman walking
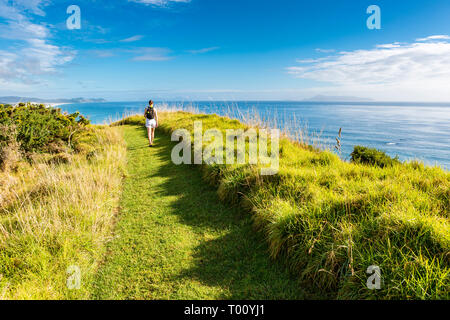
(151,121)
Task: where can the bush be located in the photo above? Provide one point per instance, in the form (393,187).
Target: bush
(372,157)
(39,127)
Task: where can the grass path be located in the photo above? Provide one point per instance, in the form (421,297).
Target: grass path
(174,239)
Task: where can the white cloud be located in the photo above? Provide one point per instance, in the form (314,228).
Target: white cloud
(420,69)
(32,55)
(103,53)
(159,3)
(6,61)
(325,50)
(151,54)
(48,56)
(431,38)
(132,39)
(139,54)
(389,45)
(204,50)
(311,60)
(34,6)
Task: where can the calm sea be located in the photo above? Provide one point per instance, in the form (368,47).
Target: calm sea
(409,131)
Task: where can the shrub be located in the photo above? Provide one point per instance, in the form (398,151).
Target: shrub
(372,157)
(39,127)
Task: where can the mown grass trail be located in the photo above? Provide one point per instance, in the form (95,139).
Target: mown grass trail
(174,239)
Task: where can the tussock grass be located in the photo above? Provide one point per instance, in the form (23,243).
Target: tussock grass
(59,211)
(329,220)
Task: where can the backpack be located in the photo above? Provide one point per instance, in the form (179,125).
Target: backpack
(150,113)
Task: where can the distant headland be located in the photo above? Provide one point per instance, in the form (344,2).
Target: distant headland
(17,99)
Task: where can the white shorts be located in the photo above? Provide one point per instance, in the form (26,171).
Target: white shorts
(150,123)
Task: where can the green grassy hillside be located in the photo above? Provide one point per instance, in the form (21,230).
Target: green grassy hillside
(329,220)
(187,231)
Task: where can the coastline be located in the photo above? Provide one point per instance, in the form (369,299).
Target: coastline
(50,104)
(381,128)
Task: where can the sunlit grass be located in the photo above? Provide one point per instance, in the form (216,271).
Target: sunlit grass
(329,220)
(176,240)
(54,214)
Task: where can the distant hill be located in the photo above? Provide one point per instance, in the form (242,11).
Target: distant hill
(13,99)
(321,98)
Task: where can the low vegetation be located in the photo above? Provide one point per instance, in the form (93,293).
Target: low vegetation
(60,182)
(326,219)
(372,157)
(176,240)
(329,220)
(38,128)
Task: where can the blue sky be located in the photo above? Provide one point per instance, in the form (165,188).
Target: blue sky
(225,49)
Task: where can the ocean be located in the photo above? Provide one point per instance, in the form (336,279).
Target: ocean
(411,131)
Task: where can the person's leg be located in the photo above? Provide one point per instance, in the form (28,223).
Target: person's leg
(153,134)
(149,132)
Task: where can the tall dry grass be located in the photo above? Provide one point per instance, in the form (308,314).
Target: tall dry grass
(54,214)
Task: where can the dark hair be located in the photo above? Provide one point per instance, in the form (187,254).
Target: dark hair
(150,102)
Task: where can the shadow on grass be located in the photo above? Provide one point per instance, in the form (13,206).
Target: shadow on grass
(138,147)
(238,259)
